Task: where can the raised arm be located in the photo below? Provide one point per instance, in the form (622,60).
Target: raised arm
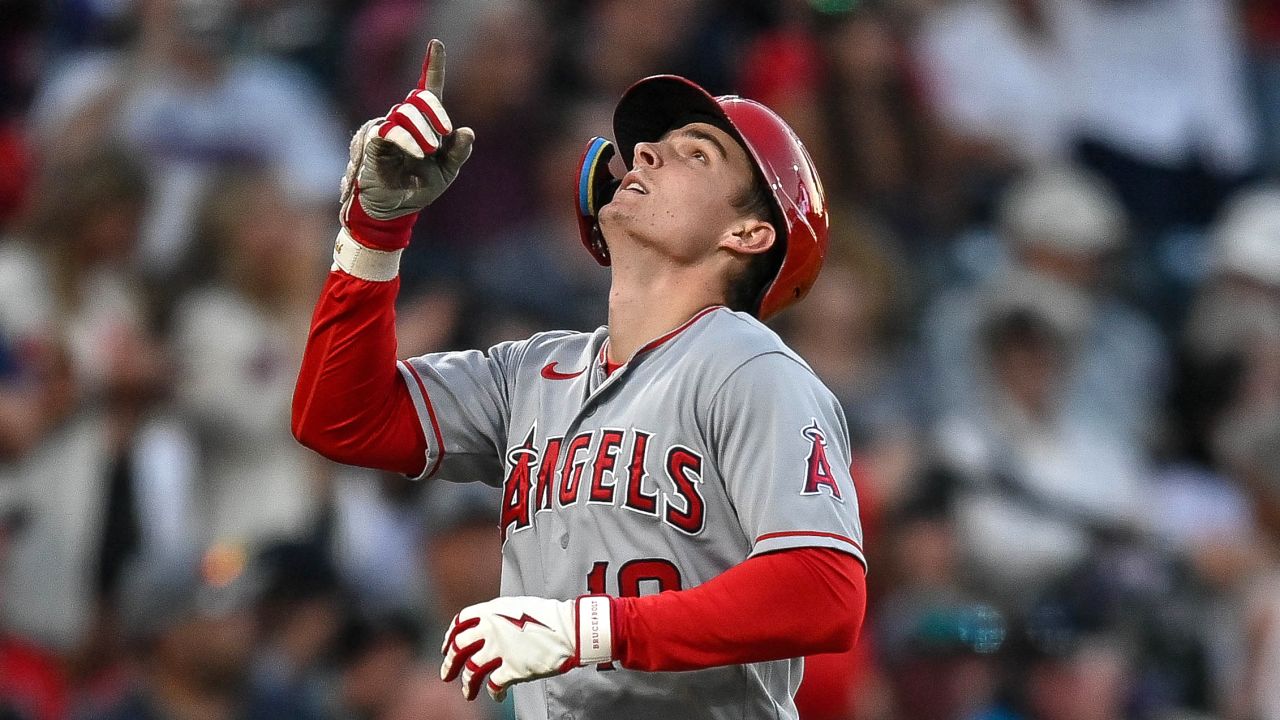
(350,403)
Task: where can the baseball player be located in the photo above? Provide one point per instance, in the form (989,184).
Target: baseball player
(676,493)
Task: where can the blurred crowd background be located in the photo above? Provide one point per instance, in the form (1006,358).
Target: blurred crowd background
(1051,311)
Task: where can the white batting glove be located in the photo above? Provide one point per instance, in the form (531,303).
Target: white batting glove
(402,162)
(516,639)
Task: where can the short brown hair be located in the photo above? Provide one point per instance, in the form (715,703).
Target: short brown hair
(747,290)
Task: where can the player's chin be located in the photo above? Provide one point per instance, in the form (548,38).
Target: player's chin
(613,214)
(630,215)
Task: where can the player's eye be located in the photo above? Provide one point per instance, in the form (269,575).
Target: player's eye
(700,156)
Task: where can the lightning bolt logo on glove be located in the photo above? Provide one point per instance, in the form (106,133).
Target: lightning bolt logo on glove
(523,619)
(517,639)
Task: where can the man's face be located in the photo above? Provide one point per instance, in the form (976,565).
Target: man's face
(680,193)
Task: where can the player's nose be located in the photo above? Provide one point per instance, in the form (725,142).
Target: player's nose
(647,155)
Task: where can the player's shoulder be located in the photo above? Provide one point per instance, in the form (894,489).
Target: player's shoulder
(559,341)
(748,364)
(740,340)
(568,346)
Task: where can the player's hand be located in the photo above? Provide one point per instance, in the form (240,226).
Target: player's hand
(402,162)
(509,640)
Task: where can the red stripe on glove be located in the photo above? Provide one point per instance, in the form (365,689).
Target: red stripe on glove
(439,125)
(480,676)
(397,118)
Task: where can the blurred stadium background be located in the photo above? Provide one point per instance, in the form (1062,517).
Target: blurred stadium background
(1051,311)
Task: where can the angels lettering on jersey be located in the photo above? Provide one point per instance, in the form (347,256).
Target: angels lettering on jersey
(606,467)
(611,467)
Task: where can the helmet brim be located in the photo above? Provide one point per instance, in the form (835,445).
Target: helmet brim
(656,105)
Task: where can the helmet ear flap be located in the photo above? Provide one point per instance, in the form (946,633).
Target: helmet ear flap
(596,186)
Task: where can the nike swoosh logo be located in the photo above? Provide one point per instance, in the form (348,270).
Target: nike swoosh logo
(524,619)
(549,372)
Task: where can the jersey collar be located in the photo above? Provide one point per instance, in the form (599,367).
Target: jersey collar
(602,358)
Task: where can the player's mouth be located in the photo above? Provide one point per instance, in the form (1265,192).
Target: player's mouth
(631,184)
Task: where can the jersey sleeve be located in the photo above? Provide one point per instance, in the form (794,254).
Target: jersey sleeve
(782,449)
(463,403)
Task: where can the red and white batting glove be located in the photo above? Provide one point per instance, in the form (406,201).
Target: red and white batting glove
(399,164)
(516,639)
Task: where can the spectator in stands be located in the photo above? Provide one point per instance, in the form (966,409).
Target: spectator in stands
(379,660)
(33,686)
(1232,337)
(377,537)
(617,50)
(383,46)
(462,557)
(1257,694)
(882,153)
(1087,680)
(1240,303)
(1044,487)
(1162,107)
(113,478)
(458,517)
(301,610)
(1062,229)
(236,341)
(191,631)
(937,640)
(189,107)
(37,390)
(1262,38)
(994,74)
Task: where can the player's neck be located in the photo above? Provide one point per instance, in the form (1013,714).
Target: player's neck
(644,307)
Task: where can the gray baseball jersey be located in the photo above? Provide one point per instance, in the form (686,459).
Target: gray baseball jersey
(714,443)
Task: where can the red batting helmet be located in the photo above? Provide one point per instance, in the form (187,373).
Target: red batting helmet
(660,103)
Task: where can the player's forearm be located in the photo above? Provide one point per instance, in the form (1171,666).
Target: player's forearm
(750,613)
(350,404)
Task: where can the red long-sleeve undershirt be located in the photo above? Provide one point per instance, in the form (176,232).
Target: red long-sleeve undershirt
(786,604)
(352,406)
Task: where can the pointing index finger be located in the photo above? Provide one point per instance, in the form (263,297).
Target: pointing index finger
(432,77)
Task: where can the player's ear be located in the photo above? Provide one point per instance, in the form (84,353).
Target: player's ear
(749,236)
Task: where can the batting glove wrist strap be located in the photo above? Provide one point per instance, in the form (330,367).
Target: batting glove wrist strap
(377,233)
(510,640)
(364,262)
(595,629)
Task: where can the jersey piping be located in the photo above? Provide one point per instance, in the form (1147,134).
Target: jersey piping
(815,533)
(658,341)
(431,413)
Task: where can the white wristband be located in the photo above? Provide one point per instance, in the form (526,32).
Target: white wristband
(364,262)
(595,630)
